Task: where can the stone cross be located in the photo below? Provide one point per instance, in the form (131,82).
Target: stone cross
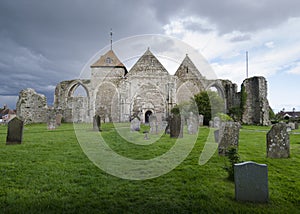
(251,182)
(14,131)
(278,141)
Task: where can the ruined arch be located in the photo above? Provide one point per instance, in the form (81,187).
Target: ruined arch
(186,91)
(220,90)
(107,102)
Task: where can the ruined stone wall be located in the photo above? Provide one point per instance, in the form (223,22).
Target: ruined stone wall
(31,106)
(231,95)
(256,108)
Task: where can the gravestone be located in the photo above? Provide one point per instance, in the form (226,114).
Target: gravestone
(296,125)
(153,124)
(216,122)
(291,125)
(176,126)
(58,119)
(278,141)
(51,125)
(192,124)
(228,136)
(201,119)
(146,135)
(97,123)
(14,131)
(135,125)
(51,119)
(211,124)
(251,182)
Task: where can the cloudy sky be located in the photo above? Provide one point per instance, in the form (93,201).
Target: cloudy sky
(45,42)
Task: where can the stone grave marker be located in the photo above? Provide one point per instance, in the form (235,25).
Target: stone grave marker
(97,123)
(51,119)
(192,124)
(216,122)
(135,125)
(296,125)
(14,131)
(153,124)
(51,125)
(251,182)
(278,141)
(201,119)
(291,125)
(211,124)
(58,119)
(176,126)
(228,136)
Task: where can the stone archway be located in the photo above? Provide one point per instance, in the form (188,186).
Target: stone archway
(147,116)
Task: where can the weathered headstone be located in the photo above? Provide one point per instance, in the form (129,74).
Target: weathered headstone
(14,131)
(291,125)
(251,182)
(97,123)
(153,124)
(51,119)
(211,124)
(216,122)
(192,124)
(278,141)
(296,125)
(51,125)
(228,136)
(201,119)
(58,119)
(176,126)
(135,124)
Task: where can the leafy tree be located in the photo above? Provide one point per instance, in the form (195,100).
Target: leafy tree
(209,103)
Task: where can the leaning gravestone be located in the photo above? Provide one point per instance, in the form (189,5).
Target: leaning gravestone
(251,182)
(278,141)
(58,119)
(176,126)
(153,124)
(14,131)
(192,124)
(228,136)
(97,123)
(135,125)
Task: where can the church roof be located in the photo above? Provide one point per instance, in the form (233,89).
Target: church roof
(147,64)
(187,68)
(109,59)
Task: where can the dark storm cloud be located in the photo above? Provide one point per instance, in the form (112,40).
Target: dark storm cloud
(45,42)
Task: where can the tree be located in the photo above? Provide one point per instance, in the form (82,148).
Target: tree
(209,103)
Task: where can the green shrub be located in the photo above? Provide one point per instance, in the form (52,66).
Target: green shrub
(233,158)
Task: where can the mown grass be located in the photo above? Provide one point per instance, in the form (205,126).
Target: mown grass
(49,173)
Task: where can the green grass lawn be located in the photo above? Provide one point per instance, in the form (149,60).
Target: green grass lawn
(50,173)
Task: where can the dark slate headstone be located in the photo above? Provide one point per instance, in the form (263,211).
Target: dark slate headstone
(228,136)
(176,126)
(97,123)
(278,141)
(251,182)
(14,131)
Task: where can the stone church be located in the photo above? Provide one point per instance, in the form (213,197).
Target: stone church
(117,94)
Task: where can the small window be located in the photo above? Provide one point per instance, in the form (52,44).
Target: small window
(108,60)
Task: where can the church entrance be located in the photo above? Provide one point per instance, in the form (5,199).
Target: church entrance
(147,115)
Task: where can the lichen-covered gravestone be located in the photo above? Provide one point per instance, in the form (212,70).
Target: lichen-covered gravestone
(14,131)
(192,124)
(217,122)
(228,136)
(251,182)
(135,124)
(278,141)
(176,126)
(97,123)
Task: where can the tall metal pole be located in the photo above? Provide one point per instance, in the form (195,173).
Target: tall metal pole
(247,64)
(111,33)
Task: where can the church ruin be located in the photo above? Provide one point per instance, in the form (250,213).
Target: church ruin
(117,94)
